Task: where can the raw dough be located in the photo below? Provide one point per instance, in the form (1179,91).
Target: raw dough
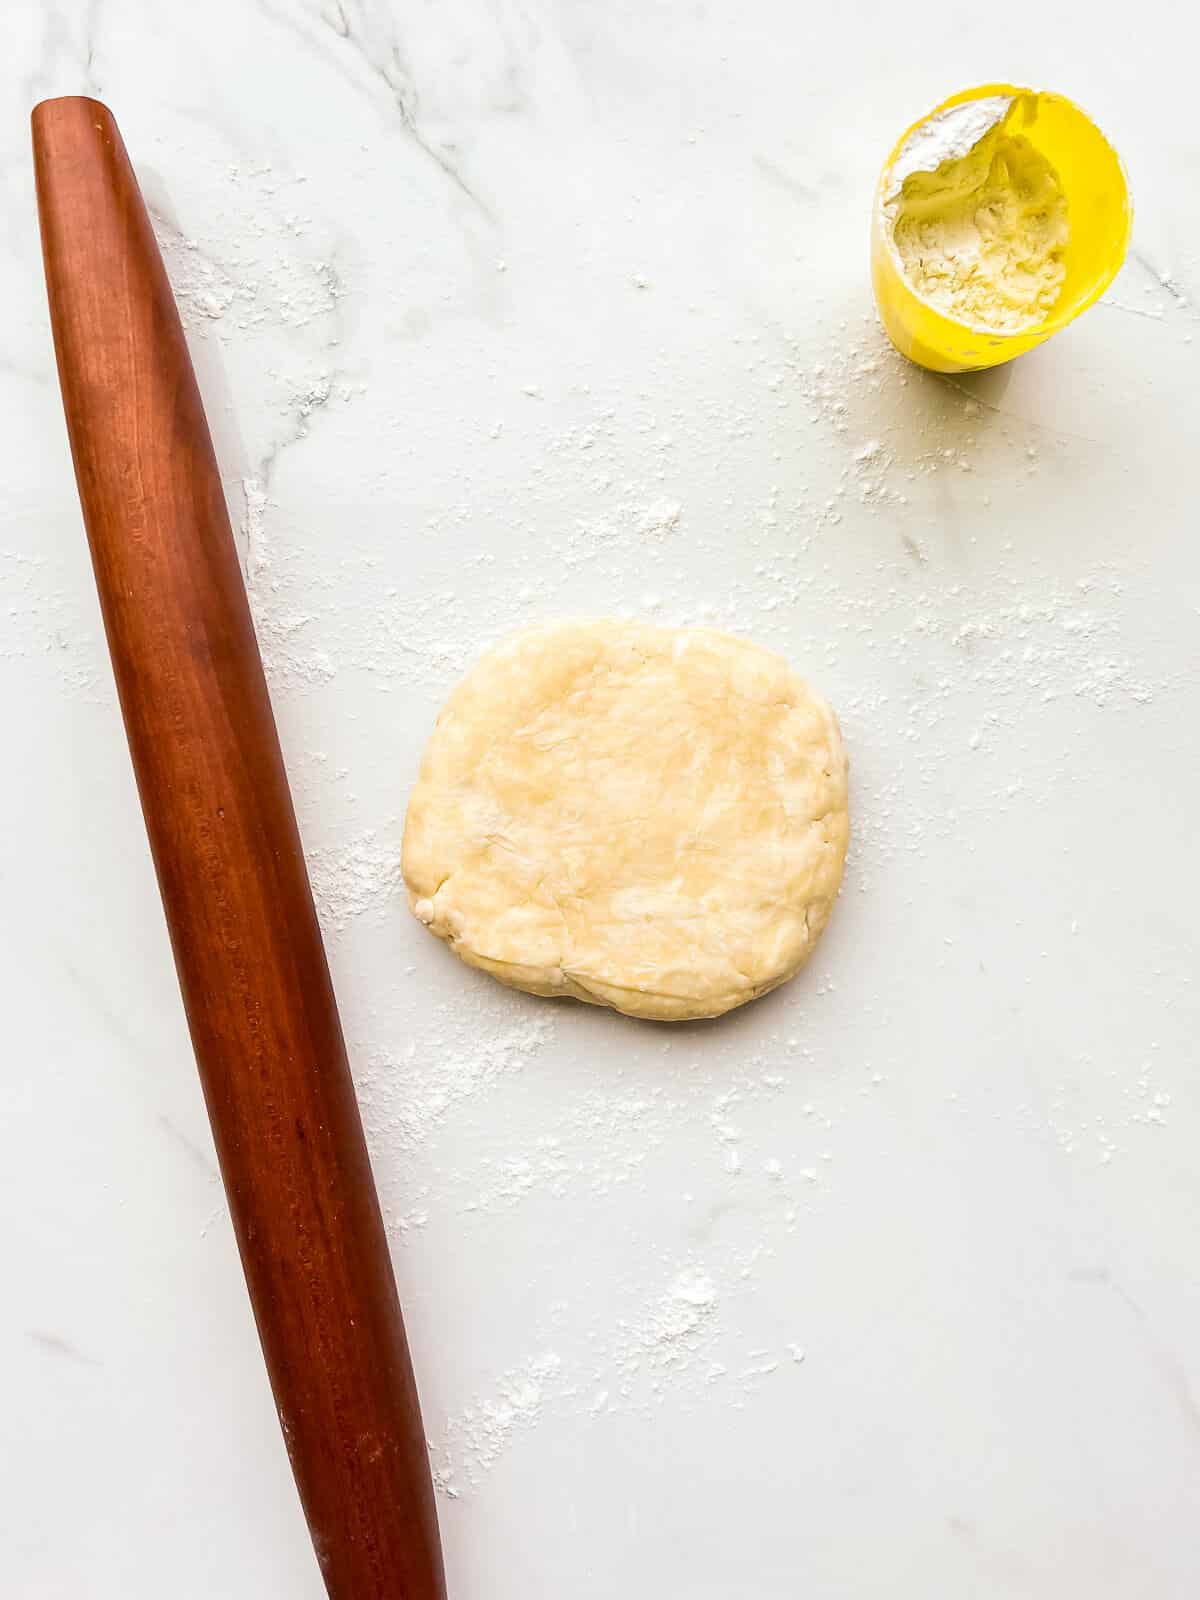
(647,818)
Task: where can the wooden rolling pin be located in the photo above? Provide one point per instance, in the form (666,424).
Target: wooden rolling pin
(248,949)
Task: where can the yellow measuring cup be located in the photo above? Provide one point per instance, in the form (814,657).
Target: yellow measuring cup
(1099,218)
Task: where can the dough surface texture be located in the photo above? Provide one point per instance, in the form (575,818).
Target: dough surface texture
(642,817)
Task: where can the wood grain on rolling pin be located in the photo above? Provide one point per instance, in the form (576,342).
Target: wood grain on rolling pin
(230,867)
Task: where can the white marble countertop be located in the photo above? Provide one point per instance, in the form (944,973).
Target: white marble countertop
(887,1286)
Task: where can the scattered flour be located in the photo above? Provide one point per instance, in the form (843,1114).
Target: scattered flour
(476,1437)
(464,1052)
(354,879)
(41,622)
(203,289)
(672,1336)
(252,269)
(284,625)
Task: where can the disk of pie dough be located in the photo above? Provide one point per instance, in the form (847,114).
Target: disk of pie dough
(642,817)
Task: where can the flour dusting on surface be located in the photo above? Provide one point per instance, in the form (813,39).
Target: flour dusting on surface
(354,879)
(405,1097)
(42,623)
(475,1438)
(671,1337)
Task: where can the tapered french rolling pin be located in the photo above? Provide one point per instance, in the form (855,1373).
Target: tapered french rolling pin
(231,871)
